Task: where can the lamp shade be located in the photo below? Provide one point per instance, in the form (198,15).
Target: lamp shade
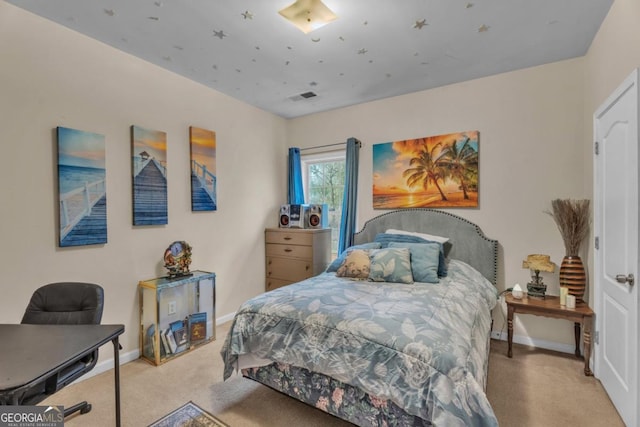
(539,262)
(308,15)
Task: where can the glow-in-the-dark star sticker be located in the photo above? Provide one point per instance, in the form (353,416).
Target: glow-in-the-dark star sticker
(247,15)
(219,34)
(420,23)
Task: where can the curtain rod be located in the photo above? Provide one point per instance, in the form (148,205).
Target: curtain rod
(323,146)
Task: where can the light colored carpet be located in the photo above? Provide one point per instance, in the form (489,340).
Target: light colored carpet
(536,388)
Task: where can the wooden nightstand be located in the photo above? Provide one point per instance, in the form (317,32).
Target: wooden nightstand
(294,254)
(582,315)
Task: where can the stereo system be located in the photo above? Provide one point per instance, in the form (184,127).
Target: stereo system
(304,216)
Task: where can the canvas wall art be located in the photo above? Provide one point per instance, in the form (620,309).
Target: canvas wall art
(82,188)
(149,168)
(435,172)
(203,169)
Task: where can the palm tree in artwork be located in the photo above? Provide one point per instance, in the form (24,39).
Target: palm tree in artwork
(461,161)
(426,169)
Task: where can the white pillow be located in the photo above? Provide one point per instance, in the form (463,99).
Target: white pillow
(425,236)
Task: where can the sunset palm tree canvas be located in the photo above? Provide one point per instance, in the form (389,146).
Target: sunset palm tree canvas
(436,171)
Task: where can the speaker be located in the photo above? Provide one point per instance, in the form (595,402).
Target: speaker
(316,216)
(285,218)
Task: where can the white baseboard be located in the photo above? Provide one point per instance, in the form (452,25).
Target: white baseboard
(533,342)
(224,319)
(129,356)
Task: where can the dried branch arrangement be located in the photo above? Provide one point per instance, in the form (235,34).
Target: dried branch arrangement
(573,220)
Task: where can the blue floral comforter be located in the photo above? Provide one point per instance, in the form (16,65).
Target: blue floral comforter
(422,346)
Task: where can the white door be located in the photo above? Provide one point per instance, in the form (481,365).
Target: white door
(616,255)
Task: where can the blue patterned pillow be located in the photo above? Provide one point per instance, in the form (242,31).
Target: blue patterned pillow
(340,260)
(390,265)
(385,238)
(424,260)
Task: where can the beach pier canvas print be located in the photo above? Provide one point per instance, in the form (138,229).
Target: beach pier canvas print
(149,164)
(435,172)
(203,169)
(82,189)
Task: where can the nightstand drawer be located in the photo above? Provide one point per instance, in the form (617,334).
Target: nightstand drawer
(288,269)
(290,251)
(289,237)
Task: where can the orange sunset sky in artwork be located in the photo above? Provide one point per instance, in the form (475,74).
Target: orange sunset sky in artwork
(392,159)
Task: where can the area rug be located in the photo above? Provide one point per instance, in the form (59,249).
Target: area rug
(189,415)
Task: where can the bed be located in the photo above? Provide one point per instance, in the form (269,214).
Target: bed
(394,351)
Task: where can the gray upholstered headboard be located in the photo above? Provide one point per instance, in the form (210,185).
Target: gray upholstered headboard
(468,242)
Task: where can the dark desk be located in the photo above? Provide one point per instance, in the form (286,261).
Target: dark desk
(31,353)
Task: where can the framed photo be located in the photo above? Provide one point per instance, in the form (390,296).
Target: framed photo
(82,188)
(203,169)
(436,172)
(149,168)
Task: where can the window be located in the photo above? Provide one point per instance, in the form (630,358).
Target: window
(323,181)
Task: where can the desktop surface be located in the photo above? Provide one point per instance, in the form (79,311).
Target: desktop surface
(30,353)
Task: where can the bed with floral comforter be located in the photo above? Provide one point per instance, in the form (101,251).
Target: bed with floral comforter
(376,353)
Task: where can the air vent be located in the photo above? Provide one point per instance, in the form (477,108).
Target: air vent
(302,96)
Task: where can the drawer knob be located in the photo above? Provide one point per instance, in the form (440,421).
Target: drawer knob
(306,267)
(288,250)
(287,238)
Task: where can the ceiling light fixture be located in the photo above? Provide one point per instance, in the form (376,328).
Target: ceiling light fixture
(308,15)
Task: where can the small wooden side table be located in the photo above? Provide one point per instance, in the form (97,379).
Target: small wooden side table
(582,315)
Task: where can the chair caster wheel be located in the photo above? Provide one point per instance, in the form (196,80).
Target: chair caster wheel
(85,409)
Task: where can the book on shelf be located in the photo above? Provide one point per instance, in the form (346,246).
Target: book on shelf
(197,327)
(165,343)
(171,340)
(179,333)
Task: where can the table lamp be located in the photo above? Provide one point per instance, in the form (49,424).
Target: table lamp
(537,263)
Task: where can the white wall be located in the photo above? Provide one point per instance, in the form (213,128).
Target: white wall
(51,76)
(530,124)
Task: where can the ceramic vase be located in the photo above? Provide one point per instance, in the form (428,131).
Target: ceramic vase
(573,276)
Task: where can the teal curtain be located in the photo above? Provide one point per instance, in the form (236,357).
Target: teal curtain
(350,197)
(296,192)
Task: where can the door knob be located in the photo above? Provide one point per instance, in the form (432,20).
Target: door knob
(621,278)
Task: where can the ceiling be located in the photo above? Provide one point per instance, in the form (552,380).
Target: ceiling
(375,49)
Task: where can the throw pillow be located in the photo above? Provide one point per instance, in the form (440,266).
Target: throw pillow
(390,265)
(356,265)
(424,260)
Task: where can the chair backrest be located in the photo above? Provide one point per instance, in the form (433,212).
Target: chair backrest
(68,303)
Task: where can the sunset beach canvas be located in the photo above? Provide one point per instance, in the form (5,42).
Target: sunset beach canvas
(436,172)
(82,189)
(203,169)
(149,168)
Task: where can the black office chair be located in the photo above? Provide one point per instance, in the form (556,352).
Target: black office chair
(64,303)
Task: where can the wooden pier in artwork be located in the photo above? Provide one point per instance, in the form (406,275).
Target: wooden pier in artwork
(150,195)
(203,188)
(91,229)
(83,215)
